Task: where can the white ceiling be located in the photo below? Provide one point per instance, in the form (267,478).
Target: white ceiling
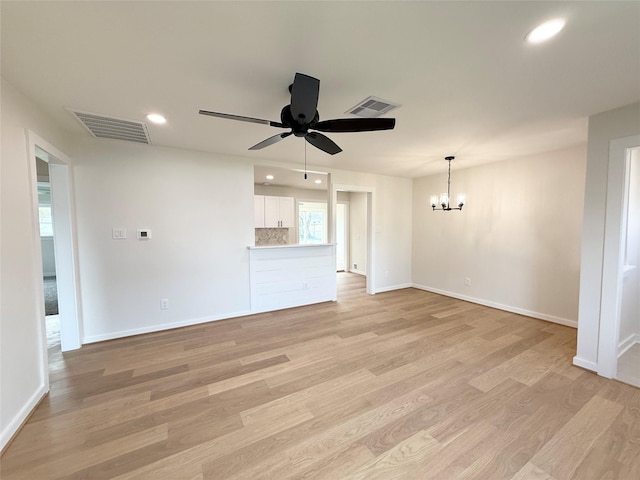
(284,177)
(468,83)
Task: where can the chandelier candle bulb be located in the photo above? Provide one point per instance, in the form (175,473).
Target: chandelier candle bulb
(462,198)
(434,201)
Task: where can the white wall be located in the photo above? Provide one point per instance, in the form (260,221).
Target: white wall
(199,208)
(603,127)
(517,238)
(23,378)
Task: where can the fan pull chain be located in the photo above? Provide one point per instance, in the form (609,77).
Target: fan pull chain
(305,158)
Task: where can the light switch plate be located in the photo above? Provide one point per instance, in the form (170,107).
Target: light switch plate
(119,233)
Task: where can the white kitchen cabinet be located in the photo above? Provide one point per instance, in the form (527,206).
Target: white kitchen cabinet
(286,212)
(258,209)
(273,212)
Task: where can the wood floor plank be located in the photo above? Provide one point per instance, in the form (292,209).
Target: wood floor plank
(574,440)
(531,472)
(404,384)
(402,461)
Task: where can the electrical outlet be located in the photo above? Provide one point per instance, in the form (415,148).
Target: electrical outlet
(467,281)
(355,266)
(164,303)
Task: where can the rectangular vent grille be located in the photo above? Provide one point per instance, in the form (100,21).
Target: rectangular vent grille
(102,126)
(372,107)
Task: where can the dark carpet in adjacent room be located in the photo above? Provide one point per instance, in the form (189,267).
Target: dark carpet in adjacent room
(50,296)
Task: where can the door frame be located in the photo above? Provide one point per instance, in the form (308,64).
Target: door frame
(370,191)
(65,244)
(612,265)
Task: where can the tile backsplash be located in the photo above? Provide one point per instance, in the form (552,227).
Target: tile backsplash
(272,236)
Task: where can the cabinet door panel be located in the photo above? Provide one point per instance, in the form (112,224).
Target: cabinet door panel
(271,212)
(258,210)
(286,212)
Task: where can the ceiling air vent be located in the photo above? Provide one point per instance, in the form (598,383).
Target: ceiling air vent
(372,107)
(102,126)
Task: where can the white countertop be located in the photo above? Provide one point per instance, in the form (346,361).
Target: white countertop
(296,245)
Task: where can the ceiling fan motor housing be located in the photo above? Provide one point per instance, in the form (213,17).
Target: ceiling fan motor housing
(300,127)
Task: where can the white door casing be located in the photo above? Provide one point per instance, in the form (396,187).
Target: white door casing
(612,268)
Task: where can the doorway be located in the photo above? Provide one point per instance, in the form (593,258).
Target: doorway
(50,291)
(629,330)
(619,336)
(62,232)
(357,235)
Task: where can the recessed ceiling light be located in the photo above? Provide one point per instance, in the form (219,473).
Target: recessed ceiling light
(269,177)
(545,31)
(318,181)
(156,118)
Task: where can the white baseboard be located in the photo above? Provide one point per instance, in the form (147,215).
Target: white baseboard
(627,343)
(359,272)
(586,364)
(508,308)
(393,287)
(161,327)
(16,422)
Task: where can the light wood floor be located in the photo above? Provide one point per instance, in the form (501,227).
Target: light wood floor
(400,385)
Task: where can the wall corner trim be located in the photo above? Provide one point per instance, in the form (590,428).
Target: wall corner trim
(14,426)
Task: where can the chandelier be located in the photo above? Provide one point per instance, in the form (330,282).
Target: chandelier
(444,198)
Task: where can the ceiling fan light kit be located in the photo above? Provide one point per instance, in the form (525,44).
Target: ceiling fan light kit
(444,198)
(302,118)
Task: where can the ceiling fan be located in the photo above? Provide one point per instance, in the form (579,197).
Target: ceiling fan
(301,116)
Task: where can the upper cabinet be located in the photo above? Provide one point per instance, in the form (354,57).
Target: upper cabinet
(273,212)
(258,208)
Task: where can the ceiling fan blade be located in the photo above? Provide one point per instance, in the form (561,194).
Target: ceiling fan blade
(241,118)
(304,98)
(355,124)
(270,141)
(322,142)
